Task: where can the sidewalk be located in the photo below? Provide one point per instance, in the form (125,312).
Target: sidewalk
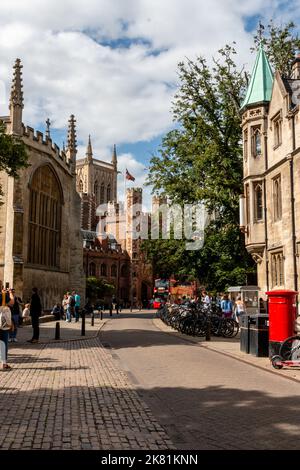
(71,395)
(231,347)
(68,331)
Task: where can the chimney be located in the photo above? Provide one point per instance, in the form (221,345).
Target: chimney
(296,67)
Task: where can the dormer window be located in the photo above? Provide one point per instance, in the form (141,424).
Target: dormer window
(256,141)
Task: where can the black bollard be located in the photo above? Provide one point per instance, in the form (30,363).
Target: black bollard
(57,330)
(110,311)
(92,319)
(208,329)
(83,323)
(101,313)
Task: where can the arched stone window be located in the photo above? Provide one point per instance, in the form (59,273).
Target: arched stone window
(92,269)
(102,201)
(277,198)
(45,209)
(256,141)
(108,192)
(80,186)
(258,202)
(103,270)
(114,271)
(124,271)
(96,187)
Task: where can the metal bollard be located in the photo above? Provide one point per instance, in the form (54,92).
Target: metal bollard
(57,330)
(208,329)
(92,319)
(101,313)
(83,323)
(110,312)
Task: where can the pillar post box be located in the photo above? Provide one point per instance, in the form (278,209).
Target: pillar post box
(282,315)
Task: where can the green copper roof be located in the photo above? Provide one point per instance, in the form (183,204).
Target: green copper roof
(260,86)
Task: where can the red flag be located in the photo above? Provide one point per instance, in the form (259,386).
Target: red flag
(129,176)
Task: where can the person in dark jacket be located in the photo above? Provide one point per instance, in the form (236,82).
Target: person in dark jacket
(35,313)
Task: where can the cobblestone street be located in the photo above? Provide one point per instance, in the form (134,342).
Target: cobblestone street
(71,395)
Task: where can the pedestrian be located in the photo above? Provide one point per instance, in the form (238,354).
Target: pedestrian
(70,307)
(35,313)
(205,298)
(77,304)
(5,325)
(64,304)
(15,315)
(57,311)
(226,307)
(26,312)
(239,308)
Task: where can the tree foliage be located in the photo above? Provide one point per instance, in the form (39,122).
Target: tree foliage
(98,289)
(201,159)
(13,155)
(279,43)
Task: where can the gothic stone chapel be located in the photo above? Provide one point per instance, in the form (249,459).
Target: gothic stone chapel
(40,234)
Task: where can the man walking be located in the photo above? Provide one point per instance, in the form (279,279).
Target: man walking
(35,313)
(77,304)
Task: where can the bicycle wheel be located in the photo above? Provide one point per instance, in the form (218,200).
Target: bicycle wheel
(288,348)
(275,360)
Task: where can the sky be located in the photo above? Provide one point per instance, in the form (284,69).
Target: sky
(113,64)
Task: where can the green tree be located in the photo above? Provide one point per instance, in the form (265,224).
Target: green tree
(201,159)
(98,289)
(280,45)
(13,155)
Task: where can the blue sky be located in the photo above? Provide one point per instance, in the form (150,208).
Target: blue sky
(113,63)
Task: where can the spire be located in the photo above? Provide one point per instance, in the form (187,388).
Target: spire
(72,142)
(114,159)
(89,151)
(16,99)
(261,82)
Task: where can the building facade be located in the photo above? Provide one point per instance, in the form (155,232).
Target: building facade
(40,235)
(113,254)
(270,206)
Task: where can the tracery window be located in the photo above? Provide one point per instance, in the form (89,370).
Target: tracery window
(258,202)
(256,149)
(45,208)
(114,271)
(102,201)
(80,186)
(277,265)
(92,269)
(108,191)
(103,270)
(277,200)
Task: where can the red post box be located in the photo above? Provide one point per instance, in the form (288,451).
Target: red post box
(282,315)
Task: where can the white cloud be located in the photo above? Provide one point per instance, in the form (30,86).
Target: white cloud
(121,94)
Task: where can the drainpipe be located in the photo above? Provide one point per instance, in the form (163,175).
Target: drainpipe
(291,162)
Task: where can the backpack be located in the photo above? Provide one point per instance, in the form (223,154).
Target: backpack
(5,318)
(72,302)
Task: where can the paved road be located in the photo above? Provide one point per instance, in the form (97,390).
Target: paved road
(202,399)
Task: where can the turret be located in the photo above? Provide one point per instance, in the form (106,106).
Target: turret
(114,159)
(89,151)
(16,100)
(72,143)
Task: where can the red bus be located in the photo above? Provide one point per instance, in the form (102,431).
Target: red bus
(161,292)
